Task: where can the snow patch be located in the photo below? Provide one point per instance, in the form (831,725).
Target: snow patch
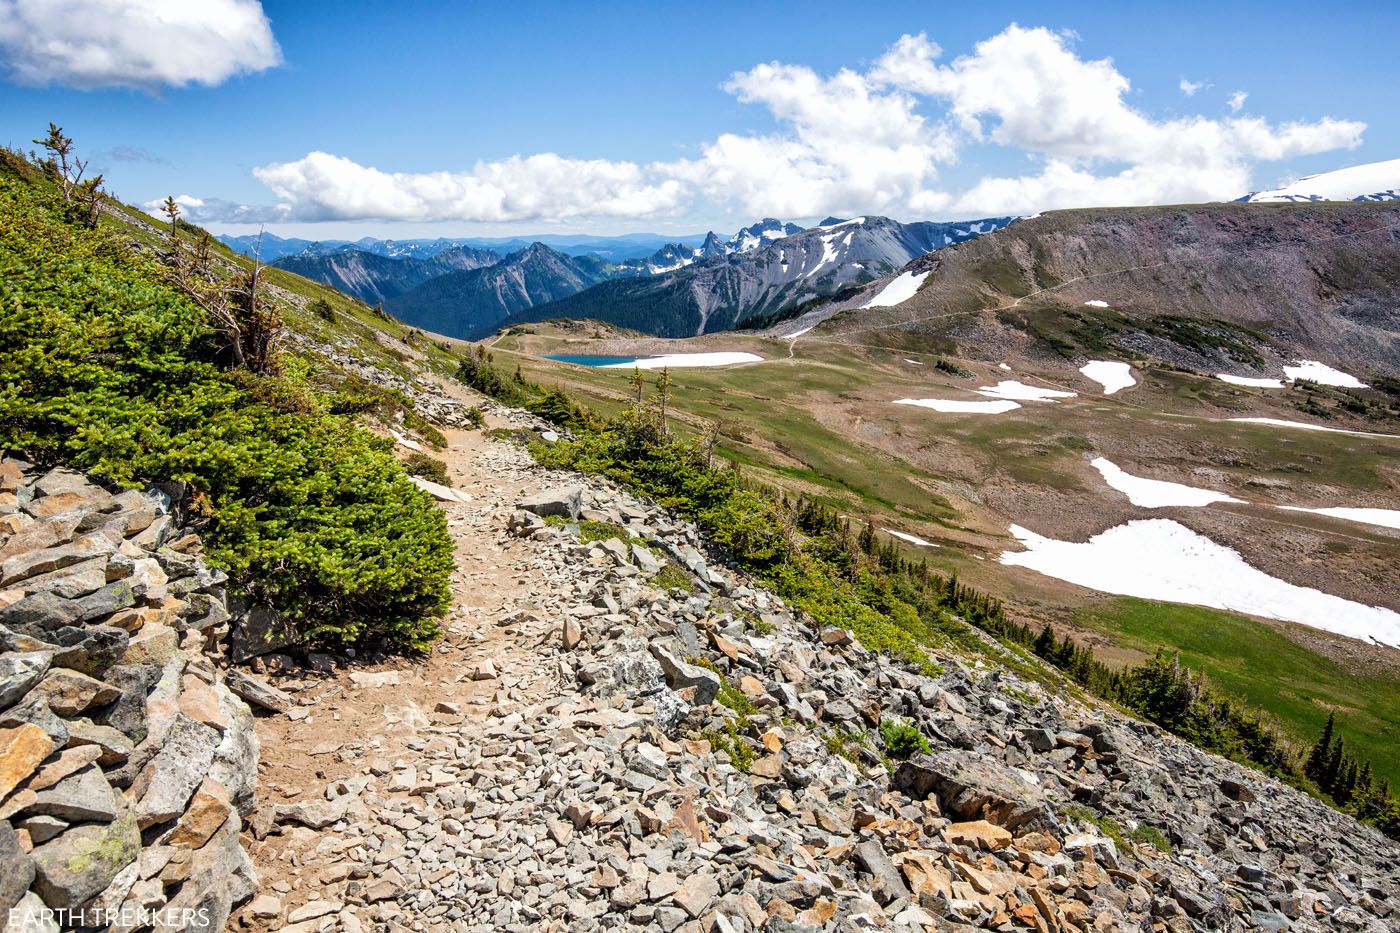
(1250,381)
(913,362)
(797,333)
(1112,376)
(1279,422)
(1313,371)
(681,360)
(952,406)
(1010,388)
(1155,493)
(1004,366)
(912,539)
(1385,518)
(899,290)
(1096,303)
(1162,559)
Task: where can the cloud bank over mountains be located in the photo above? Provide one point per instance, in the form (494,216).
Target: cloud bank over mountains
(846,143)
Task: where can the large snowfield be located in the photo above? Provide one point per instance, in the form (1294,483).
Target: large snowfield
(905,536)
(1251,381)
(1158,558)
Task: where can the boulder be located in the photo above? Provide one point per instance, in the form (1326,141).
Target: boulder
(208,810)
(163,788)
(21,750)
(259,631)
(970,787)
(153,644)
(564,502)
(70,693)
(697,685)
(888,884)
(80,797)
(75,867)
(115,747)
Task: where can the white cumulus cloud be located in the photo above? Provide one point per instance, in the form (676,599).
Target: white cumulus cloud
(1237,100)
(873,141)
(134,43)
(1189,88)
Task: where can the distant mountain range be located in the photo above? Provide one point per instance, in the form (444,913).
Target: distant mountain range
(691,285)
(762,284)
(1374,181)
(613,248)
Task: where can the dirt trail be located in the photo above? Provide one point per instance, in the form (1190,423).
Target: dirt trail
(384,706)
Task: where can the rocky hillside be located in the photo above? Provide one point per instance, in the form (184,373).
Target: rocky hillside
(764,283)
(472,302)
(1242,286)
(628,735)
(126,760)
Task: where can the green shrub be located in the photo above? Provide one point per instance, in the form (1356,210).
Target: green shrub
(672,579)
(322,309)
(475,419)
(107,369)
(903,739)
(430,468)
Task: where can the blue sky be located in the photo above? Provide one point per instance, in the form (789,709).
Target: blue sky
(485,119)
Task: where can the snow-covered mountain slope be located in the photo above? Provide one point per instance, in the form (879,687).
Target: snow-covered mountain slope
(1374,181)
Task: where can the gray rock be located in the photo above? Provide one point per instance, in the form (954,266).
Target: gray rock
(35,710)
(682,676)
(564,501)
(257,692)
(128,712)
(78,865)
(888,882)
(259,631)
(19,673)
(16,869)
(84,796)
(40,612)
(971,787)
(165,785)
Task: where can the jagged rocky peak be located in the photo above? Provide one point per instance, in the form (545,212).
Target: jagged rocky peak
(761,234)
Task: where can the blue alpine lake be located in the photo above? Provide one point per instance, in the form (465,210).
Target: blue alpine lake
(595,360)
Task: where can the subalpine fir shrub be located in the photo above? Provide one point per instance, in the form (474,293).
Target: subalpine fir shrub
(106,368)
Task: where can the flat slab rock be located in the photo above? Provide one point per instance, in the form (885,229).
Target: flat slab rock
(969,787)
